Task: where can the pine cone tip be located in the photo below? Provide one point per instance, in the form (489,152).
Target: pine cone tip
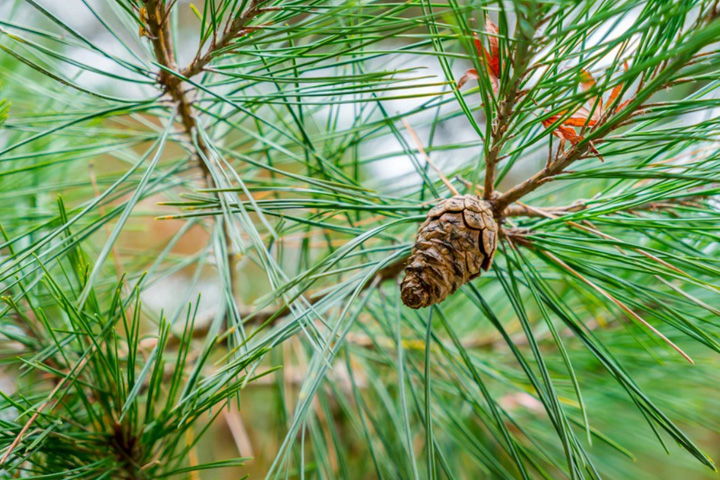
(415,294)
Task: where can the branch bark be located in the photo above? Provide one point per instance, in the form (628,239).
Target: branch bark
(606,125)
(502,121)
(155,17)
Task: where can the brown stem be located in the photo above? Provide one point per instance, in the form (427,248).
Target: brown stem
(75,370)
(236,28)
(522,210)
(158,30)
(607,124)
(502,122)
(389,272)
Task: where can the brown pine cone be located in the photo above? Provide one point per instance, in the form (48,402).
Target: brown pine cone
(457,239)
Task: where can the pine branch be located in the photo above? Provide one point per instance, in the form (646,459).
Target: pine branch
(519,209)
(159,33)
(157,23)
(501,123)
(610,121)
(270,316)
(391,271)
(522,210)
(50,399)
(234,29)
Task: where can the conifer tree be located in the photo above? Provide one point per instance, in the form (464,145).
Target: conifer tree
(338,239)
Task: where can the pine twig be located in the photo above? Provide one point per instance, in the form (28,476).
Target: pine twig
(159,33)
(234,29)
(617,302)
(519,209)
(421,149)
(42,407)
(160,38)
(604,126)
(272,315)
(502,121)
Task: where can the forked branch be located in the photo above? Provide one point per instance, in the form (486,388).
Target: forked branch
(238,27)
(156,26)
(610,121)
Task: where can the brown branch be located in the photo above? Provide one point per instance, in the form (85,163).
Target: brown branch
(159,33)
(631,313)
(519,209)
(42,407)
(272,315)
(609,122)
(156,27)
(389,272)
(158,30)
(238,27)
(501,123)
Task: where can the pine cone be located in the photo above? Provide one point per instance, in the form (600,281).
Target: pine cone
(457,239)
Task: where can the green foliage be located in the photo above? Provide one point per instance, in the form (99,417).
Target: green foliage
(262,148)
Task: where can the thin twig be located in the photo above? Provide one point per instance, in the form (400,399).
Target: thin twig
(273,315)
(37,413)
(235,29)
(519,209)
(592,229)
(603,127)
(502,121)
